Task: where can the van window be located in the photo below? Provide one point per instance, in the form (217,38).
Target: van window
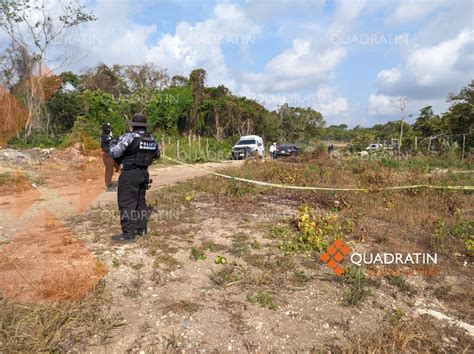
(246,142)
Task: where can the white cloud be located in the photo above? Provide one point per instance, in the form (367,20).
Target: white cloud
(389,76)
(347,12)
(439,63)
(199,45)
(114,38)
(438,59)
(446,23)
(329,103)
(431,71)
(388,107)
(307,67)
(297,68)
(383,105)
(413,10)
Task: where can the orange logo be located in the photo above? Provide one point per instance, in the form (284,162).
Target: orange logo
(334,255)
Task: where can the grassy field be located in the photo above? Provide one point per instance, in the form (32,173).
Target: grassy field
(233,266)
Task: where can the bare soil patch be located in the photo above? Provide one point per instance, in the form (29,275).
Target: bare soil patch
(17,193)
(45,262)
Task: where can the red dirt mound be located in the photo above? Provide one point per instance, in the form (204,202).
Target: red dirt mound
(77,178)
(17,194)
(45,262)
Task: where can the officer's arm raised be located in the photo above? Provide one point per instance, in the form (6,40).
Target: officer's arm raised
(117,149)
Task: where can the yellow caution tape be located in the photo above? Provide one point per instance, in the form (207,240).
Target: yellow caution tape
(310,188)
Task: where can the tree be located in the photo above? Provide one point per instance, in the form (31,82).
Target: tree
(105,79)
(64,108)
(299,123)
(179,80)
(145,78)
(216,109)
(69,78)
(314,121)
(427,123)
(196,81)
(168,110)
(33,26)
(14,64)
(459,119)
(363,137)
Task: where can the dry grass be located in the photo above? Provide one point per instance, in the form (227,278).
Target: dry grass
(56,326)
(182,306)
(403,221)
(416,211)
(14,182)
(418,335)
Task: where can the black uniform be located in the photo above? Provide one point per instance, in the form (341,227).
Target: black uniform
(106,137)
(105,140)
(134,151)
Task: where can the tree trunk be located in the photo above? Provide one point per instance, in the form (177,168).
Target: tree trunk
(218,126)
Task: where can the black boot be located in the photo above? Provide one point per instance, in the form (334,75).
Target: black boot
(123,238)
(142,232)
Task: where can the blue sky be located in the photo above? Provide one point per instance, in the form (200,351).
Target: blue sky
(352,60)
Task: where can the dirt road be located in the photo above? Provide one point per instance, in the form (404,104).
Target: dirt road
(72,192)
(166,176)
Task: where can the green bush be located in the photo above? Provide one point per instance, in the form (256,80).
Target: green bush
(357,286)
(84,132)
(42,141)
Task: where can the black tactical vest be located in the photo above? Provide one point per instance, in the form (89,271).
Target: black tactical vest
(140,153)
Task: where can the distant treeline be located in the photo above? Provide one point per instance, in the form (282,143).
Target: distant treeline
(175,106)
(181,105)
(458,120)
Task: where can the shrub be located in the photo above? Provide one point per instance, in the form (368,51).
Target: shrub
(445,238)
(357,290)
(401,283)
(239,189)
(42,141)
(317,230)
(198,254)
(264,299)
(82,134)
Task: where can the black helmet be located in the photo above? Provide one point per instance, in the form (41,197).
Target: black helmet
(138,120)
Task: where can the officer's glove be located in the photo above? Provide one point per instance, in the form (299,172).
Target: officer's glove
(106,129)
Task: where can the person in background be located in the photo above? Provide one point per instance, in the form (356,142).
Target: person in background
(273,150)
(109,163)
(330,148)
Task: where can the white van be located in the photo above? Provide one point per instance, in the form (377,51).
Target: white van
(374,147)
(248,146)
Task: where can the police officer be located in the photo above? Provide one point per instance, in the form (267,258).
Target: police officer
(109,163)
(134,151)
